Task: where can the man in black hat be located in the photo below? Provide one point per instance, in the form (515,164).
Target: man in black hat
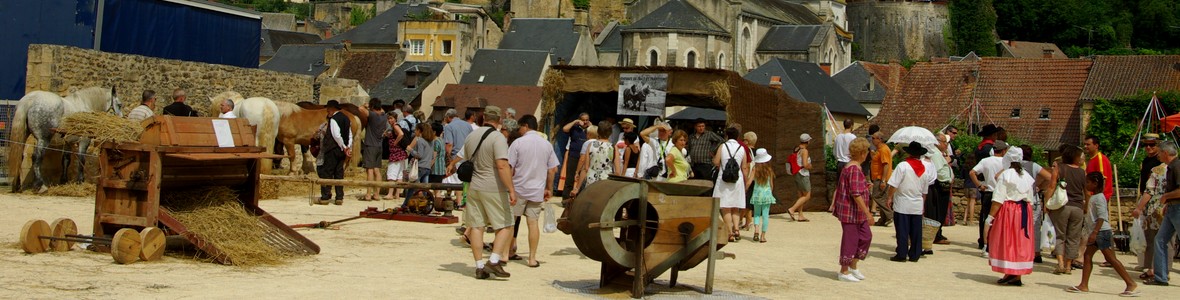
(987,169)
(908,186)
(335,149)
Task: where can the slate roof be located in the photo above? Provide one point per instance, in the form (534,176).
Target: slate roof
(524,99)
(545,35)
(1022,49)
(394,87)
(368,68)
(1118,76)
(272,40)
(781,11)
(806,81)
(676,15)
(612,40)
(299,59)
(855,80)
(381,29)
(933,94)
(506,67)
(791,38)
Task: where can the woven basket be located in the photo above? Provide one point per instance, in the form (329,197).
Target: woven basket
(929,230)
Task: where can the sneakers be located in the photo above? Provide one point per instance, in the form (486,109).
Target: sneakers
(856,273)
(480,273)
(497,269)
(847,277)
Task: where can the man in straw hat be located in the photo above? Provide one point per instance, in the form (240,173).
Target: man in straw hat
(908,186)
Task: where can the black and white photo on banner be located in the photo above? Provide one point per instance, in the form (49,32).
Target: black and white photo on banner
(642,94)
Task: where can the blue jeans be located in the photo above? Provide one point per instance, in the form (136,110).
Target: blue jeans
(1167,231)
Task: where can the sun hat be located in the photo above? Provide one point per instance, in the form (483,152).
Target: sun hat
(804,138)
(760,156)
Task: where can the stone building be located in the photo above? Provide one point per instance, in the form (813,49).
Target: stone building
(567,40)
(898,30)
(722,34)
(448,33)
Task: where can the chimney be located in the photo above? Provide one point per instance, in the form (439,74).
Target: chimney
(581,20)
(776,82)
(347,44)
(508,20)
(1047,53)
(827,67)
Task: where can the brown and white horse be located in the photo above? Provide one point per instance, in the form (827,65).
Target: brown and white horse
(299,123)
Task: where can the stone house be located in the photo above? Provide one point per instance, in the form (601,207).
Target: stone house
(567,40)
(869,83)
(380,33)
(507,67)
(1113,77)
(823,43)
(718,34)
(417,83)
(273,39)
(450,33)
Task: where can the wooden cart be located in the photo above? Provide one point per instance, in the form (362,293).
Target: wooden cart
(175,153)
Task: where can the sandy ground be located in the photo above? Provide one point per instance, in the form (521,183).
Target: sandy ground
(385,259)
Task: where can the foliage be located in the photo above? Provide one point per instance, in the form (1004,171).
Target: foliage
(356,16)
(829,159)
(1098,24)
(582,4)
(300,10)
(1114,123)
(909,63)
(973,23)
(1076,51)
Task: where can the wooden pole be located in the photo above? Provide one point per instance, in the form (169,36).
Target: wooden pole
(362,183)
(1117,196)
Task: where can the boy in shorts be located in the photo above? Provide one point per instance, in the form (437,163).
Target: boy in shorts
(1101,240)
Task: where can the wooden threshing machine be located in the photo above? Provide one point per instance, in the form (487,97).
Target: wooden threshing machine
(640,229)
(177,153)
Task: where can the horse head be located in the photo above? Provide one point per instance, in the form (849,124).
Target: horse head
(114,105)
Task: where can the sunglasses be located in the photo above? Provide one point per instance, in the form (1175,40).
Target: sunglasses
(1149,145)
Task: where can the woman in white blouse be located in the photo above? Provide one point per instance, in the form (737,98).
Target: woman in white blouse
(1011,236)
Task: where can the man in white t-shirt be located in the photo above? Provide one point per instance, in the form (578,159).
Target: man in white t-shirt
(655,150)
(988,168)
(908,186)
(227,109)
(841,154)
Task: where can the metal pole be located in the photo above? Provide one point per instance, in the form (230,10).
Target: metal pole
(99,11)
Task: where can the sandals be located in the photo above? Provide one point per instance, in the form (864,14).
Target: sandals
(536,265)
(1076,290)
(756,237)
(1129,294)
(762,239)
(1145,275)
(1065,271)
(791,214)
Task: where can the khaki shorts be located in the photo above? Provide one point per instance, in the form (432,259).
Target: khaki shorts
(529,209)
(487,209)
(803,182)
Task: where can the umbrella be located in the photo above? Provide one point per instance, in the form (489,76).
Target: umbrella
(906,135)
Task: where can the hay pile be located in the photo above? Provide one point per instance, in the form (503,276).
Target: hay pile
(73,189)
(274,189)
(215,214)
(100,127)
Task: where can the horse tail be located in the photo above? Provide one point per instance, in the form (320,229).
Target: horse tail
(268,131)
(16,143)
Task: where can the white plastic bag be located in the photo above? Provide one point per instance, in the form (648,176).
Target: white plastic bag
(1138,240)
(550,218)
(1048,235)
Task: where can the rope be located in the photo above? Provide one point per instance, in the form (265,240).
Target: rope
(49,148)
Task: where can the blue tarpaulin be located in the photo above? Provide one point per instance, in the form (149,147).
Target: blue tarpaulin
(176,31)
(61,22)
(193,31)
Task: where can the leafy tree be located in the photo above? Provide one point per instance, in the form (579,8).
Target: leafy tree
(1098,24)
(973,25)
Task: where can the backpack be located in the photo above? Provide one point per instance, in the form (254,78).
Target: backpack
(732,170)
(407,133)
(793,165)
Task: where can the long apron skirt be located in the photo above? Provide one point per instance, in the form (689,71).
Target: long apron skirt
(1010,240)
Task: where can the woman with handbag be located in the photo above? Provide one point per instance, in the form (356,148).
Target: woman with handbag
(1042,177)
(1068,219)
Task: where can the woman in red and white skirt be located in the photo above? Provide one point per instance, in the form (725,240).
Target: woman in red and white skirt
(1011,237)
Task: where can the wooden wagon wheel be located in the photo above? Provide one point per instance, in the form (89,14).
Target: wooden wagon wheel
(61,228)
(30,236)
(126,246)
(153,244)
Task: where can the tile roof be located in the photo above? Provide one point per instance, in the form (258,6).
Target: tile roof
(381,29)
(546,35)
(524,99)
(1118,76)
(393,87)
(1033,85)
(272,40)
(1022,49)
(506,67)
(856,78)
(299,59)
(933,94)
(806,81)
(368,68)
(791,38)
(676,15)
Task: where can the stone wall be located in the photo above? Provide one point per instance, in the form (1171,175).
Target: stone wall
(887,30)
(278,21)
(60,69)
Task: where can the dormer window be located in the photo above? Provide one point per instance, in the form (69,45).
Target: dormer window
(1015,113)
(411,80)
(1045,113)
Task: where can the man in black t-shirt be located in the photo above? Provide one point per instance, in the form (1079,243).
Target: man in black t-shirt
(178,108)
(1150,144)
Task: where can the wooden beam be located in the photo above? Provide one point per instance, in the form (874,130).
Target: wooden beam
(363,183)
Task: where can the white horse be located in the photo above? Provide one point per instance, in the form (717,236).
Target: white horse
(261,112)
(39,113)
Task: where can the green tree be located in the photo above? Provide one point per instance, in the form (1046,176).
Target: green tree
(973,25)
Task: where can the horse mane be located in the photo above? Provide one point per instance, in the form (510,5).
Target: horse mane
(287,108)
(310,105)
